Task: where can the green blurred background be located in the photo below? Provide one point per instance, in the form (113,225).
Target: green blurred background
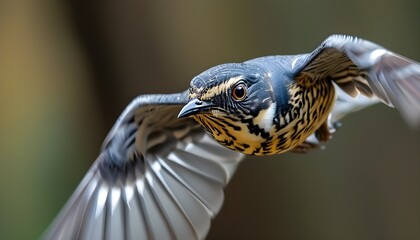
(69,67)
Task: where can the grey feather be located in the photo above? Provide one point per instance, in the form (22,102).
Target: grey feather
(157,177)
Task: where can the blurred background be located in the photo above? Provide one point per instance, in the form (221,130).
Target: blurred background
(69,67)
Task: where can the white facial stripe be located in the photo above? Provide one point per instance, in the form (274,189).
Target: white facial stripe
(220,89)
(265,118)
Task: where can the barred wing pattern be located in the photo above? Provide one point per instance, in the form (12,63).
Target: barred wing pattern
(157,177)
(360,66)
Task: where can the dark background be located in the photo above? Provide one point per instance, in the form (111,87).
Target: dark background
(68,68)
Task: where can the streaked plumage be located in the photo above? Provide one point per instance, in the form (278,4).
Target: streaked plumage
(301,90)
(162,177)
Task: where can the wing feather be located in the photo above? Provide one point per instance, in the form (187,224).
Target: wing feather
(157,177)
(359,66)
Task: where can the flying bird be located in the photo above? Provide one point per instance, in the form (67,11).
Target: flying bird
(162,168)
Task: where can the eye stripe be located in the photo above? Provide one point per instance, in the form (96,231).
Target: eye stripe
(220,88)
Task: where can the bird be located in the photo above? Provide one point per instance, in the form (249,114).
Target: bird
(271,105)
(162,168)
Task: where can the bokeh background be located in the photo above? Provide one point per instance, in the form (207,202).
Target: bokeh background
(69,67)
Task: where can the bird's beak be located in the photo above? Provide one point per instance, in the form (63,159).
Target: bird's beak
(194,106)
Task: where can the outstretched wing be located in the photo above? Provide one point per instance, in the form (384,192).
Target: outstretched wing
(157,177)
(359,66)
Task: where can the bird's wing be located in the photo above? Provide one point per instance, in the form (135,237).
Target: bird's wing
(157,177)
(359,66)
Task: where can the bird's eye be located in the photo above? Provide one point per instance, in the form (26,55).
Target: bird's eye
(239,92)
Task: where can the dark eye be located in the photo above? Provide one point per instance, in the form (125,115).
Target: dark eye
(239,92)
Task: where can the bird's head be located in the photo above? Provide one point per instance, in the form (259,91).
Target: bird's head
(235,103)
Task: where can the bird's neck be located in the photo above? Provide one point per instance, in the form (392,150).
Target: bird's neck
(280,75)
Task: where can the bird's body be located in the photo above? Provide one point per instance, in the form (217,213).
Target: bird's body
(285,99)
(162,177)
